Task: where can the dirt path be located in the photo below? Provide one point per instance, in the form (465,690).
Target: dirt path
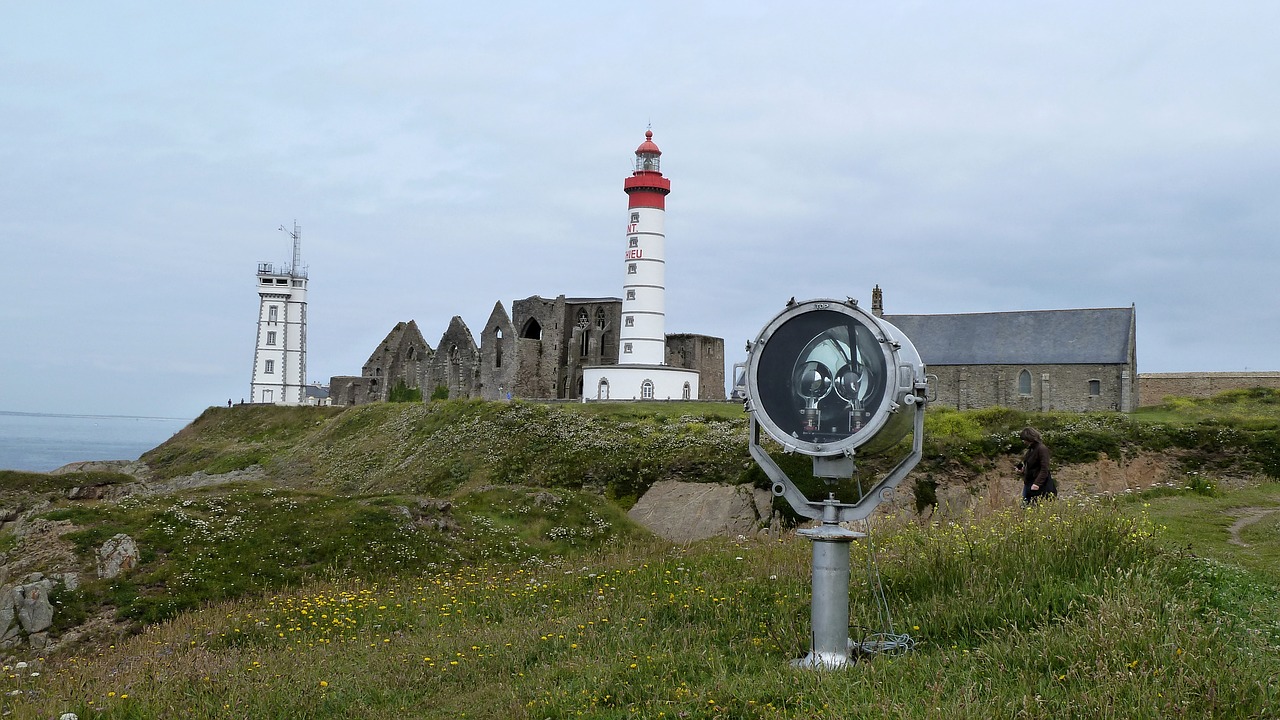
(1247,516)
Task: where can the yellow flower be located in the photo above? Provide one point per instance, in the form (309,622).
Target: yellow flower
(324,683)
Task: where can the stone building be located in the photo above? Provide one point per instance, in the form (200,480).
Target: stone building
(537,352)
(1075,360)
(399,357)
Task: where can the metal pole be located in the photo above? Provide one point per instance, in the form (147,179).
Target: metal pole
(829,611)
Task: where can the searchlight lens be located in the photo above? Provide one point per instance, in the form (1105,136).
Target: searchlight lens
(818,352)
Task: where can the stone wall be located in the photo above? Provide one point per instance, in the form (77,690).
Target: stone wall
(350,390)
(1157,386)
(455,364)
(402,357)
(704,354)
(1052,387)
(538,352)
(539,346)
(497,356)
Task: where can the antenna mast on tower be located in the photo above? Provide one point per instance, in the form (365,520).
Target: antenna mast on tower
(296,234)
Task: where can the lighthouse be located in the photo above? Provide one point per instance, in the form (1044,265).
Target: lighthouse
(642,372)
(280,353)
(642,339)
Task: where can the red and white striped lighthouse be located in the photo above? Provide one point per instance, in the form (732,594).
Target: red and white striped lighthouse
(642,340)
(642,372)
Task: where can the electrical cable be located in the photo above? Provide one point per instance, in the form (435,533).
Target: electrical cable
(886,641)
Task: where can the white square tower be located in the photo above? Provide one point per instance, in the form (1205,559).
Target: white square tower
(280,353)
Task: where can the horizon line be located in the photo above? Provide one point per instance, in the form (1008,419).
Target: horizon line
(87,415)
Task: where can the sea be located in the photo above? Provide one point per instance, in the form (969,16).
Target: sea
(40,442)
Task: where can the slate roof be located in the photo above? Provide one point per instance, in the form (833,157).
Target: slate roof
(1034,337)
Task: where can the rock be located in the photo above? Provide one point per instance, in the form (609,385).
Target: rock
(32,606)
(117,555)
(69,580)
(8,628)
(684,512)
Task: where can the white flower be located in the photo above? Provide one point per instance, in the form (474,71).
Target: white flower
(22,665)
(68,716)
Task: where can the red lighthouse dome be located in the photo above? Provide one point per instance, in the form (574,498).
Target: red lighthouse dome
(646,186)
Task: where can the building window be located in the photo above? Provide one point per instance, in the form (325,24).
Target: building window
(532,330)
(273,313)
(600,318)
(271,337)
(1095,388)
(631,294)
(269,367)
(629,322)
(602,390)
(1024,383)
(633,242)
(635,217)
(646,390)
(626,347)
(586,343)
(497,348)
(631,268)
(687,391)
(583,319)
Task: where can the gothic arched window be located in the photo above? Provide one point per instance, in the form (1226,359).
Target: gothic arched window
(1024,383)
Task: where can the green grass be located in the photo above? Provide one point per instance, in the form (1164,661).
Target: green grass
(228,542)
(469,558)
(1072,610)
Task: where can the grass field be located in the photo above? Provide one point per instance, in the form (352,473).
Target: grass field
(276,600)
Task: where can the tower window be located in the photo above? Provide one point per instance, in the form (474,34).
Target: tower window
(633,242)
(269,367)
(271,337)
(631,268)
(273,313)
(626,347)
(635,217)
(629,322)
(631,294)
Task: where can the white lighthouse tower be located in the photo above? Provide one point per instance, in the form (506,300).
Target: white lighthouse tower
(280,354)
(642,372)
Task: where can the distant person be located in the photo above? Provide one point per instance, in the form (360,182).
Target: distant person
(1037,482)
(228,402)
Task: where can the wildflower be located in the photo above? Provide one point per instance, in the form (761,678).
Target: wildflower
(324,683)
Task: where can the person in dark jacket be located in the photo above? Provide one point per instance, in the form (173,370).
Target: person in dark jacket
(1036,480)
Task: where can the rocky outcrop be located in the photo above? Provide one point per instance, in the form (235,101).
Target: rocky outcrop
(684,511)
(145,486)
(117,555)
(26,612)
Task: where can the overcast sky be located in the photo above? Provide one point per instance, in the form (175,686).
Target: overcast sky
(440,157)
